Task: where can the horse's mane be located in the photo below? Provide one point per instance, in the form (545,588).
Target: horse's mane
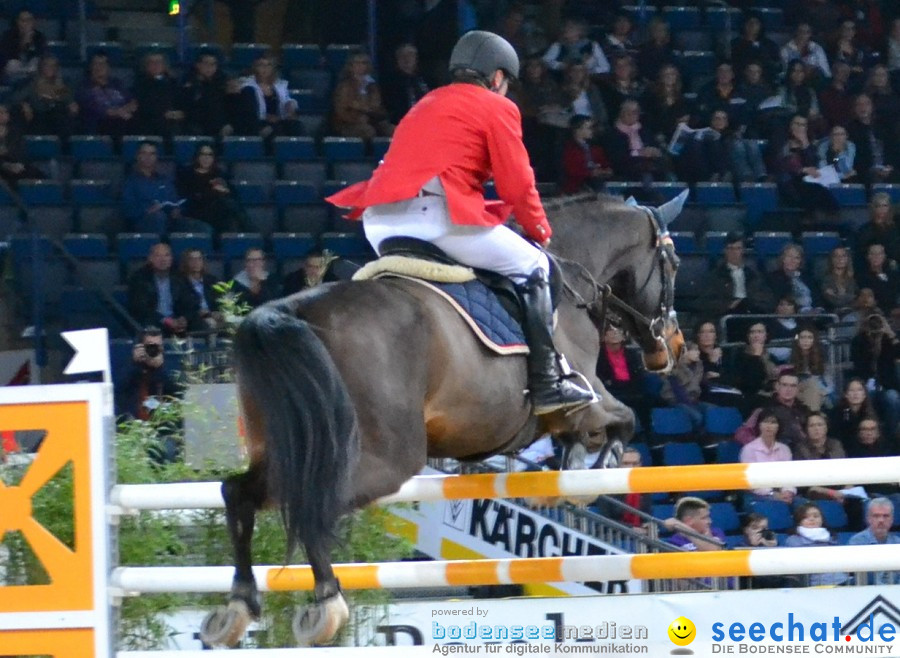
(557,204)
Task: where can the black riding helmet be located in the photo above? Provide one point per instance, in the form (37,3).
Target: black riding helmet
(484,53)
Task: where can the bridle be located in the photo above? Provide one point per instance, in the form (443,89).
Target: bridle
(603,298)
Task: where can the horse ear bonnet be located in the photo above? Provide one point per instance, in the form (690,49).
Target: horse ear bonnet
(484,53)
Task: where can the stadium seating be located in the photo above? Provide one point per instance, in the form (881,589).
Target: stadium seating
(681,454)
(778,513)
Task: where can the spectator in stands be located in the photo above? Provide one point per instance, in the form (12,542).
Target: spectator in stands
(783,326)
(880,275)
(545,117)
(870,442)
(874,352)
(575,47)
(265,107)
(818,445)
(631,458)
(583,97)
(585,165)
(788,409)
(158,98)
(880,228)
(631,147)
(738,287)
(253,284)
(524,36)
(315,270)
(149,199)
(357,109)
(665,104)
(623,85)
(193,269)
(47,103)
(836,100)
(710,357)
(869,22)
(159,296)
(847,50)
(823,16)
(849,411)
(208,197)
(787,279)
(811,531)
(403,85)
(720,154)
(106,107)
(879,519)
(618,41)
(893,48)
(839,288)
(797,159)
(754,47)
(755,533)
(14,164)
(21,46)
(204,97)
(838,152)
(802,47)
(692,515)
(767,448)
(798,97)
(753,371)
(684,386)
(621,372)
(808,361)
(754,89)
(873,145)
(656,52)
(721,94)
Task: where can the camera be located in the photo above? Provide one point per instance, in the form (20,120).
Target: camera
(768,535)
(152,349)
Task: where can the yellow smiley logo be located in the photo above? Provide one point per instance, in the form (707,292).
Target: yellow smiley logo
(682,631)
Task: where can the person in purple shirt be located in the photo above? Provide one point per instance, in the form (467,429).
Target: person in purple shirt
(692,515)
(106,107)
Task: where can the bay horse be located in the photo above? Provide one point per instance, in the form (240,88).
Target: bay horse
(347,388)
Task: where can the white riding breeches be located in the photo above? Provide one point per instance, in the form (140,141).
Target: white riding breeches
(494,248)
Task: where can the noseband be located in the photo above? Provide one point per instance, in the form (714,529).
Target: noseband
(603,297)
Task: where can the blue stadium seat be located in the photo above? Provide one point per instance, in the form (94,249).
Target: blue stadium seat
(40,192)
(728,452)
(261,219)
(131,144)
(346,244)
(640,14)
(352,172)
(42,147)
(86,245)
(251,193)
(759,198)
(697,63)
(715,243)
(820,243)
(235,245)
(682,18)
(242,148)
(292,245)
(184,147)
(772,18)
(685,243)
(243,54)
(294,148)
(722,18)
(308,102)
(301,56)
(693,40)
(724,517)
(644,449)
(104,219)
(669,421)
(86,147)
(315,173)
(62,50)
(722,421)
(52,220)
(833,514)
(380,146)
(183,241)
(313,124)
(669,190)
(682,454)
(113,50)
(88,192)
(692,281)
(193,51)
(336,55)
(343,148)
(778,513)
(135,246)
(715,194)
(288,193)
(768,244)
(101,273)
(330,187)
(254,171)
(731,541)
(663,511)
(153,47)
(312,219)
(849,195)
(111,170)
(892,190)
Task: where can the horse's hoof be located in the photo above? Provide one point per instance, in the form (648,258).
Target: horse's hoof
(225,626)
(319,623)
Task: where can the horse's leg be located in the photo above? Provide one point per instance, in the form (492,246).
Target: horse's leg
(319,623)
(243,494)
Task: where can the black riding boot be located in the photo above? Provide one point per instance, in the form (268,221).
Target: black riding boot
(549,390)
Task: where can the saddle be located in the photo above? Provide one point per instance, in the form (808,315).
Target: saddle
(487,301)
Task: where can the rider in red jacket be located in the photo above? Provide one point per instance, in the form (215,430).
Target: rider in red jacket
(430,186)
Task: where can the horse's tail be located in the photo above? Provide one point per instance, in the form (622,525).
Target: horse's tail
(308,418)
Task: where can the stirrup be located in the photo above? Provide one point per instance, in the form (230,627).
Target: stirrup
(571,406)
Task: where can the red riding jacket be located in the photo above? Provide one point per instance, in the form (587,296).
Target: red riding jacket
(462,133)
